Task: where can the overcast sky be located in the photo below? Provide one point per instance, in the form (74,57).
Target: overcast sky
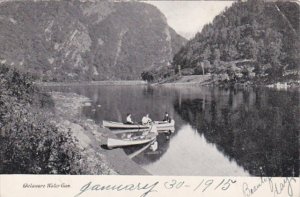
(188,17)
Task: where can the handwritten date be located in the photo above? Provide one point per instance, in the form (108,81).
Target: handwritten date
(203,185)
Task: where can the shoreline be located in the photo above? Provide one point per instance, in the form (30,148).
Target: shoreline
(208,80)
(277,87)
(189,80)
(83,83)
(91,136)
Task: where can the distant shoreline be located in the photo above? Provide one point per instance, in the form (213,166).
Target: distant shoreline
(192,80)
(208,80)
(81,83)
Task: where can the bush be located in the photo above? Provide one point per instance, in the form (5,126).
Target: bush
(147,76)
(158,74)
(29,142)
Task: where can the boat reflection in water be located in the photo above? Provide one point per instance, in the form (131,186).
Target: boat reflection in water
(153,152)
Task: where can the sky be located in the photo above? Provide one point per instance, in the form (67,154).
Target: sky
(188,17)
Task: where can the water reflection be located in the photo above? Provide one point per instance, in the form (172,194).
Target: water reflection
(259,129)
(149,156)
(219,132)
(190,154)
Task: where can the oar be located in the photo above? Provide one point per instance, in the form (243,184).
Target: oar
(132,155)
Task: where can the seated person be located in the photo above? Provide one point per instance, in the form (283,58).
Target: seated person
(128,119)
(167,118)
(146,119)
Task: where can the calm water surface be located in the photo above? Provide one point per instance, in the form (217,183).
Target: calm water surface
(218,132)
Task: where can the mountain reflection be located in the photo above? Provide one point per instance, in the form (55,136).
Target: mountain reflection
(258,128)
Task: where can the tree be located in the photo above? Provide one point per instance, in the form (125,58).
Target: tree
(147,76)
(216,55)
(206,53)
(248,48)
(273,46)
(231,53)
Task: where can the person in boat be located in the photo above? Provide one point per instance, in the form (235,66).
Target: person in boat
(128,119)
(167,117)
(146,120)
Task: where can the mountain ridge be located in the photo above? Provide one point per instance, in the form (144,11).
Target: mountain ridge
(69,41)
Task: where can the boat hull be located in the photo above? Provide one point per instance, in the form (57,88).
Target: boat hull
(160,125)
(119,131)
(116,142)
(119,125)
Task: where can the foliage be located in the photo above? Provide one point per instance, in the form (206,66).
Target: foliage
(157,74)
(265,33)
(29,142)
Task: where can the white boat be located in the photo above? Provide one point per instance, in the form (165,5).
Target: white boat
(120,125)
(160,125)
(121,142)
(119,131)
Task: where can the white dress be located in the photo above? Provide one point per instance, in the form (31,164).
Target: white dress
(146,120)
(128,119)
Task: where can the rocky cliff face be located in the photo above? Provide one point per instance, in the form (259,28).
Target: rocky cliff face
(65,41)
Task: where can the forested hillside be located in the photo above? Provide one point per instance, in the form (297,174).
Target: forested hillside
(251,40)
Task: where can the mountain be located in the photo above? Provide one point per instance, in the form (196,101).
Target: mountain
(250,41)
(76,40)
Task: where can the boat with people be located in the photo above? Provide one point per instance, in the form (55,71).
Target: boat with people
(120,125)
(161,130)
(160,125)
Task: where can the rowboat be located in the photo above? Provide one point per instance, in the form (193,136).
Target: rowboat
(161,130)
(121,142)
(120,125)
(120,131)
(160,125)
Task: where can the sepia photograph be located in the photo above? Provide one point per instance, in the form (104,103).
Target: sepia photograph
(160,88)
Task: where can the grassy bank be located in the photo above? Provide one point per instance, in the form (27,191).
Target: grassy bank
(30,140)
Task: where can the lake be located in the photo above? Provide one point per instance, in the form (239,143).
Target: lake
(218,131)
